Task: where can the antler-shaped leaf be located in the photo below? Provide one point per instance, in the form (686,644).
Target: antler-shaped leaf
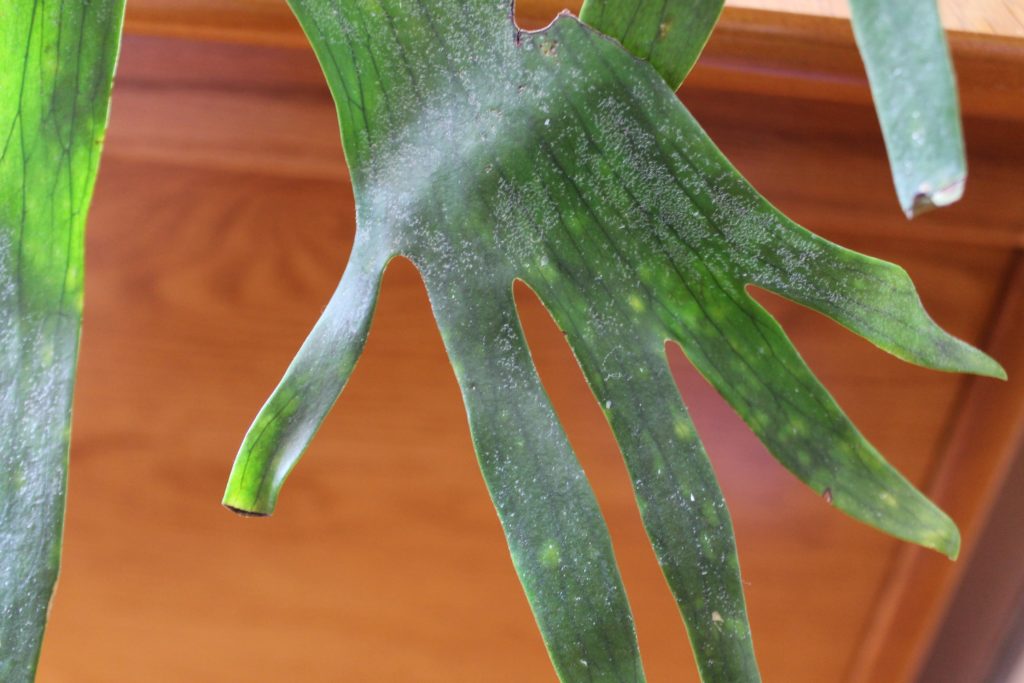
(58,62)
(484,155)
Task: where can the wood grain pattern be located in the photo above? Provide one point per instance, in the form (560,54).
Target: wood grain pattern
(991,17)
(980,631)
(812,57)
(788,47)
(217,237)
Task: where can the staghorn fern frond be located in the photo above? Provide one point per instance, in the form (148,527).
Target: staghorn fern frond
(485,155)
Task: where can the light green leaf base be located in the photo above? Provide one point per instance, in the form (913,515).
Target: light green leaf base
(56,65)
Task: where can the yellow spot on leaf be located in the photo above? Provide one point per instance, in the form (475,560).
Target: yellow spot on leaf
(549,555)
(683,430)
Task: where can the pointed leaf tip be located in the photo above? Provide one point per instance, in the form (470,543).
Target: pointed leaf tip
(951,548)
(987,366)
(943,539)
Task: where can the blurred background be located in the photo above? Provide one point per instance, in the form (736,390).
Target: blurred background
(222,222)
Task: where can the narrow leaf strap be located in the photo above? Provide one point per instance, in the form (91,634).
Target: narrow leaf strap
(669,34)
(747,357)
(681,504)
(57,66)
(291,416)
(868,296)
(907,60)
(556,535)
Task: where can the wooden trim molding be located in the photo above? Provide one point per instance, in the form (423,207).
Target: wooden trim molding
(814,57)
(788,47)
(982,634)
(270,22)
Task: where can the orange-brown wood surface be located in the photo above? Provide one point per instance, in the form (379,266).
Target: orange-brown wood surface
(791,47)
(221,224)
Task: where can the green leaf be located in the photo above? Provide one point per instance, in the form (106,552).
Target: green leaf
(669,34)
(485,155)
(907,60)
(58,61)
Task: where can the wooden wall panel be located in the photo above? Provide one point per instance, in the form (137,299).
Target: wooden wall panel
(795,47)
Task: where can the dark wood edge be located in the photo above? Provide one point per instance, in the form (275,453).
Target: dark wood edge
(986,432)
